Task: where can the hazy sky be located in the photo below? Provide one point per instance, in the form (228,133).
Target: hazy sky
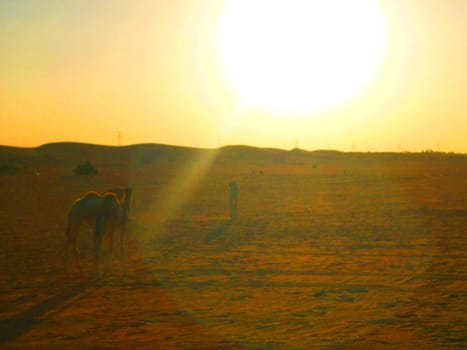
(154,71)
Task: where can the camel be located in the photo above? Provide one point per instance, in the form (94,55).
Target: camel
(112,217)
(87,209)
(122,193)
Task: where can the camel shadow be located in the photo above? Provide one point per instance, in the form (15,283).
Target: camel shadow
(218,231)
(16,326)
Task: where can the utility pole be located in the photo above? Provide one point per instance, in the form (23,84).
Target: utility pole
(119,138)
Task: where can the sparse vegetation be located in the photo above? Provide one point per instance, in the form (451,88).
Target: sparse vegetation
(85,168)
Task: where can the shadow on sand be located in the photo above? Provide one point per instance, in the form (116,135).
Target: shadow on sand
(218,231)
(16,326)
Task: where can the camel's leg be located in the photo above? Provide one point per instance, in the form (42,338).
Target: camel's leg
(122,250)
(71,244)
(78,260)
(108,266)
(97,248)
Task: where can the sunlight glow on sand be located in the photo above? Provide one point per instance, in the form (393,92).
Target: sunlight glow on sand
(182,185)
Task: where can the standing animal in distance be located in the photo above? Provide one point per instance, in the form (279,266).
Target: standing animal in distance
(233,199)
(87,209)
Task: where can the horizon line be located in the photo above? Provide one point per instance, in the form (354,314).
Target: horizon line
(400,151)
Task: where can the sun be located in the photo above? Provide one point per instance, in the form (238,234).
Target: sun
(296,57)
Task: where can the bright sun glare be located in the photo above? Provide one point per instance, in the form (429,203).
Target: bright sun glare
(296,57)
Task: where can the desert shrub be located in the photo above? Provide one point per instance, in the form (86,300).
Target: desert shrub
(85,169)
(11,169)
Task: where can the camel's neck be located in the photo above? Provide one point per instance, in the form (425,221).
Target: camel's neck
(127,200)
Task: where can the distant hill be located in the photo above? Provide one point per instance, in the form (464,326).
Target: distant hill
(71,153)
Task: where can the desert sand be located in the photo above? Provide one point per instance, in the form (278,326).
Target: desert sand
(329,250)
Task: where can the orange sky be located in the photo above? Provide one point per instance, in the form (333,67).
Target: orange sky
(88,70)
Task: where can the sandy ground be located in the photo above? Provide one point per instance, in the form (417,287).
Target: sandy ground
(330,254)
